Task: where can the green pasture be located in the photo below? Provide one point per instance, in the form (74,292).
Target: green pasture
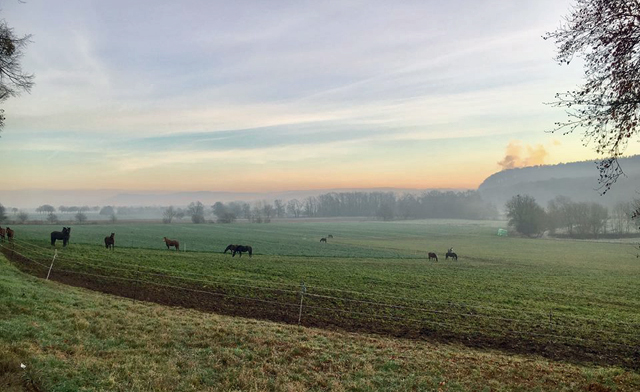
(351,239)
(71,339)
(499,285)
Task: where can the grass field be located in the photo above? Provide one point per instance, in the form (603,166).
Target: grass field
(574,300)
(71,339)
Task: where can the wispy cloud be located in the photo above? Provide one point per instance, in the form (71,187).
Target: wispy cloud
(147,85)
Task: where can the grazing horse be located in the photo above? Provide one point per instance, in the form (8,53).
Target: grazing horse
(171,243)
(452,255)
(110,242)
(3,233)
(10,234)
(433,256)
(242,248)
(329,236)
(323,239)
(60,235)
(231,248)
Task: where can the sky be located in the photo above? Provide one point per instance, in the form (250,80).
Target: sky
(284,95)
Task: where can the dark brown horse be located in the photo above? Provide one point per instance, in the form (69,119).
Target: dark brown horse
(60,235)
(10,234)
(110,242)
(3,233)
(242,248)
(171,243)
(452,255)
(433,256)
(231,248)
(323,239)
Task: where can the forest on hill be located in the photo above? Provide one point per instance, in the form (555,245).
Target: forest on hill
(576,180)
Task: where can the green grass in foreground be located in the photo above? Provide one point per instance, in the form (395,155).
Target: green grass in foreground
(72,339)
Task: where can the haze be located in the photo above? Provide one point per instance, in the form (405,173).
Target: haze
(276,96)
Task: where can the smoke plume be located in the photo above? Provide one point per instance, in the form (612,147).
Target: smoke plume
(521,156)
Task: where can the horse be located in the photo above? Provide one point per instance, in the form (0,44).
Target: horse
(171,243)
(230,247)
(329,236)
(110,242)
(323,239)
(452,255)
(433,256)
(242,248)
(60,235)
(3,233)
(10,234)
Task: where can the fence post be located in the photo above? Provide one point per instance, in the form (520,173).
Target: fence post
(51,266)
(303,289)
(135,288)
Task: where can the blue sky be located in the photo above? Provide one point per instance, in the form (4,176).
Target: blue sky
(283,94)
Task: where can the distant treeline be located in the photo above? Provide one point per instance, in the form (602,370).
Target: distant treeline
(381,205)
(567,218)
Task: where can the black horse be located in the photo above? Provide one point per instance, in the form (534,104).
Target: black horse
(329,236)
(433,256)
(242,248)
(231,248)
(110,242)
(452,255)
(323,239)
(61,235)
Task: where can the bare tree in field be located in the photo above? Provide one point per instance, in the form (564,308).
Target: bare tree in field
(606,108)
(294,207)
(279,206)
(196,210)
(13,80)
(168,215)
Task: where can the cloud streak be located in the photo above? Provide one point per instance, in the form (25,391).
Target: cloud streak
(197,84)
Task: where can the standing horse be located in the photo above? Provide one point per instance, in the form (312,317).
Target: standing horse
(329,236)
(60,235)
(433,256)
(231,248)
(242,248)
(110,242)
(452,255)
(171,243)
(3,233)
(323,239)
(10,234)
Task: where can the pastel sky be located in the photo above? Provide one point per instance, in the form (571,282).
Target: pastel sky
(284,95)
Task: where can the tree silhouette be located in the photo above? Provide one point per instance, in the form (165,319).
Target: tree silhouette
(606,108)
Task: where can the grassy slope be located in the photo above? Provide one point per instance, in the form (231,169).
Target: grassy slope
(72,339)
